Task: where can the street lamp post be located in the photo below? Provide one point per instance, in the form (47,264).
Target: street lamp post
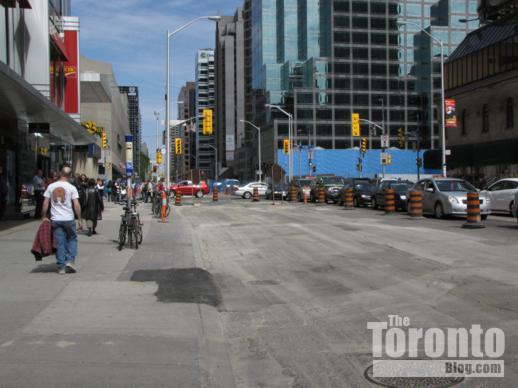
(259,147)
(215,162)
(169,34)
(290,130)
(157,117)
(443,119)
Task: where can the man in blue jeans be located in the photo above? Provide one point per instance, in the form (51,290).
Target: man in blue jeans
(63,199)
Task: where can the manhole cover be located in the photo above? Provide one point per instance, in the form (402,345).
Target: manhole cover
(412,382)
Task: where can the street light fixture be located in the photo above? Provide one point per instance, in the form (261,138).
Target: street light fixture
(259,147)
(443,123)
(290,131)
(169,34)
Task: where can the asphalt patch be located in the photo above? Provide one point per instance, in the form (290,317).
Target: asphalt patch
(182,285)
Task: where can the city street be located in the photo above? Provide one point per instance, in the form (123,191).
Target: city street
(243,294)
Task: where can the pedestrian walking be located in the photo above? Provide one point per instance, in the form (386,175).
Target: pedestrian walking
(82,185)
(93,207)
(38,188)
(109,189)
(100,187)
(63,199)
(3,192)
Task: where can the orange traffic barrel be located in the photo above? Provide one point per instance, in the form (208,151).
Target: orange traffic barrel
(474,219)
(415,204)
(348,198)
(390,201)
(178,199)
(321,195)
(215,194)
(255,195)
(293,193)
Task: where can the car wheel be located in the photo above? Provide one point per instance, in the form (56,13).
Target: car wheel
(199,194)
(247,195)
(438,211)
(483,217)
(511,206)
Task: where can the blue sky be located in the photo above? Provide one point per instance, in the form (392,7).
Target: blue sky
(130,34)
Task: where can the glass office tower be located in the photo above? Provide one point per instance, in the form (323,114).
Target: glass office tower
(380,68)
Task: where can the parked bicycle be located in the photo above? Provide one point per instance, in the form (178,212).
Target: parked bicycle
(130,229)
(156,206)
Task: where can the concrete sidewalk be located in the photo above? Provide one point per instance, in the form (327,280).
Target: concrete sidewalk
(97,327)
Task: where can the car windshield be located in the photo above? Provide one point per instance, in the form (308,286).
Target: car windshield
(364,187)
(305,182)
(450,185)
(401,187)
(333,180)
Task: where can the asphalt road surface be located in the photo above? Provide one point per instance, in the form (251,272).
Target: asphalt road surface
(242,294)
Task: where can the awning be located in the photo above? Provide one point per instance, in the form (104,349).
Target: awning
(60,46)
(20,100)
(12,3)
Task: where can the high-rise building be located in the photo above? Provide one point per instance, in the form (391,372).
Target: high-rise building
(39,99)
(205,144)
(187,111)
(134,122)
(230,88)
(322,61)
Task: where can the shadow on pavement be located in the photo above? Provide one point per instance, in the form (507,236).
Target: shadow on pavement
(45,268)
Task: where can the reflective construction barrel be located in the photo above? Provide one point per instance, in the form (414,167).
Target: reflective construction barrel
(178,199)
(255,195)
(474,219)
(415,204)
(293,193)
(390,201)
(349,198)
(321,195)
(215,194)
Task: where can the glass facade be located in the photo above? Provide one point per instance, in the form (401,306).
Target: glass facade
(379,67)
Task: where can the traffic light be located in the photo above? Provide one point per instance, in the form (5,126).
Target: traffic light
(159,157)
(207,122)
(401,138)
(364,145)
(355,120)
(389,159)
(178,146)
(104,140)
(154,168)
(286,146)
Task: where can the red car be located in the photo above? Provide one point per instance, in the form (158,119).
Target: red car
(188,188)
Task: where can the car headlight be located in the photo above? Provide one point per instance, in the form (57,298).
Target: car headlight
(453,199)
(403,197)
(365,196)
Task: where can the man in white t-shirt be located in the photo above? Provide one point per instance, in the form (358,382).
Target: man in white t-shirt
(63,199)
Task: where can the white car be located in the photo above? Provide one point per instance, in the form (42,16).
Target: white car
(503,193)
(247,190)
(515,207)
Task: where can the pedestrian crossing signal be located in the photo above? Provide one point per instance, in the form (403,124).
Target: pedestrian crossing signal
(159,157)
(178,146)
(401,138)
(364,145)
(207,122)
(286,146)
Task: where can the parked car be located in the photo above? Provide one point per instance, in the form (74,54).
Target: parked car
(300,183)
(448,196)
(515,207)
(332,186)
(363,193)
(401,190)
(187,187)
(503,194)
(350,183)
(247,190)
(281,191)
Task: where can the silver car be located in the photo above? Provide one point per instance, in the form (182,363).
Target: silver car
(448,196)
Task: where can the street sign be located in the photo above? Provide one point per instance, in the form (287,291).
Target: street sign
(385,141)
(385,159)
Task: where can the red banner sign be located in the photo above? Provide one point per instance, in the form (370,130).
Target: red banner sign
(450,112)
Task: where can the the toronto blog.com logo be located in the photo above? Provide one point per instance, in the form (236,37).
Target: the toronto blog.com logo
(401,350)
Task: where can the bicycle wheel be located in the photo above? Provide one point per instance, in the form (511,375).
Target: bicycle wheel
(168,210)
(140,235)
(130,237)
(122,236)
(136,237)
